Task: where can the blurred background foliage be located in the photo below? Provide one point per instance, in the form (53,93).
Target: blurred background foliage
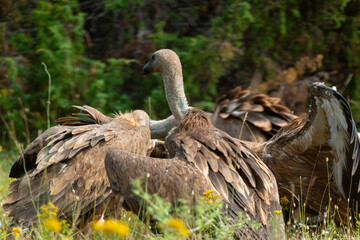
(95,51)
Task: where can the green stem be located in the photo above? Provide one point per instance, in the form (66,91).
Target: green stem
(49,96)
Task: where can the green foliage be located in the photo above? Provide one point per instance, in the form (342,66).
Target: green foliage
(259,36)
(124,5)
(239,39)
(202,219)
(56,38)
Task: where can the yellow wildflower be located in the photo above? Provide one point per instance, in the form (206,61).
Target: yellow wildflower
(53,224)
(112,226)
(16,232)
(0,148)
(52,206)
(4,92)
(284,201)
(210,196)
(48,210)
(178,226)
(12,179)
(277,212)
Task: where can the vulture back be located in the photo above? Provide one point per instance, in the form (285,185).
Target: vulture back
(235,172)
(250,116)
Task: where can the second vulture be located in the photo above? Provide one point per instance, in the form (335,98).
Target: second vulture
(202,158)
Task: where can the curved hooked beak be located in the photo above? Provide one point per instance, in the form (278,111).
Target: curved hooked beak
(147,68)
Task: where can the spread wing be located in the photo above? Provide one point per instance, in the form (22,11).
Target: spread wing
(28,157)
(27,160)
(250,116)
(309,146)
(70,171)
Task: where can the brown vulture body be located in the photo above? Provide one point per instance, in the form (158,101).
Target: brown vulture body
(203,158)
(65,166)
(250,116)
(321,148)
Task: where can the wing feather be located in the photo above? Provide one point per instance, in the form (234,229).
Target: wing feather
(70,176)
(323,141)
(234,170)
(250,116)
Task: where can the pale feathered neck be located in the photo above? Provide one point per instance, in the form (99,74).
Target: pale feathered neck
(171,72)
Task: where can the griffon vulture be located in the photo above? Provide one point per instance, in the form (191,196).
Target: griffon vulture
(65,165)
(202,158)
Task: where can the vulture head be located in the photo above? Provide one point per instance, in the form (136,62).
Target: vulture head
(165,62)
(137,118)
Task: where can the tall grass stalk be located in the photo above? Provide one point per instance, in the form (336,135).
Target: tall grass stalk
(49,95)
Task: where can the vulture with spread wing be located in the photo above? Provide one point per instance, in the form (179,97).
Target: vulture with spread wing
(317,155)
(65,166)
(202,158)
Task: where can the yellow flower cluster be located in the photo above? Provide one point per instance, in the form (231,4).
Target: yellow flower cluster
(16,232)
(53,224)
(284,201)
(49,210)
(5,92)
(112,226)
(48,214)
(210,196)
(1,148)
(178,226)
(277,212)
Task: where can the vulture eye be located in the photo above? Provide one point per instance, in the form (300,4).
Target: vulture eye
(153,57)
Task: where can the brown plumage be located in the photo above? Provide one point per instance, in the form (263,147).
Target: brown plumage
(301,148)
(325,140)
(250,116)
(88,115)
(65,165)
(203,158)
